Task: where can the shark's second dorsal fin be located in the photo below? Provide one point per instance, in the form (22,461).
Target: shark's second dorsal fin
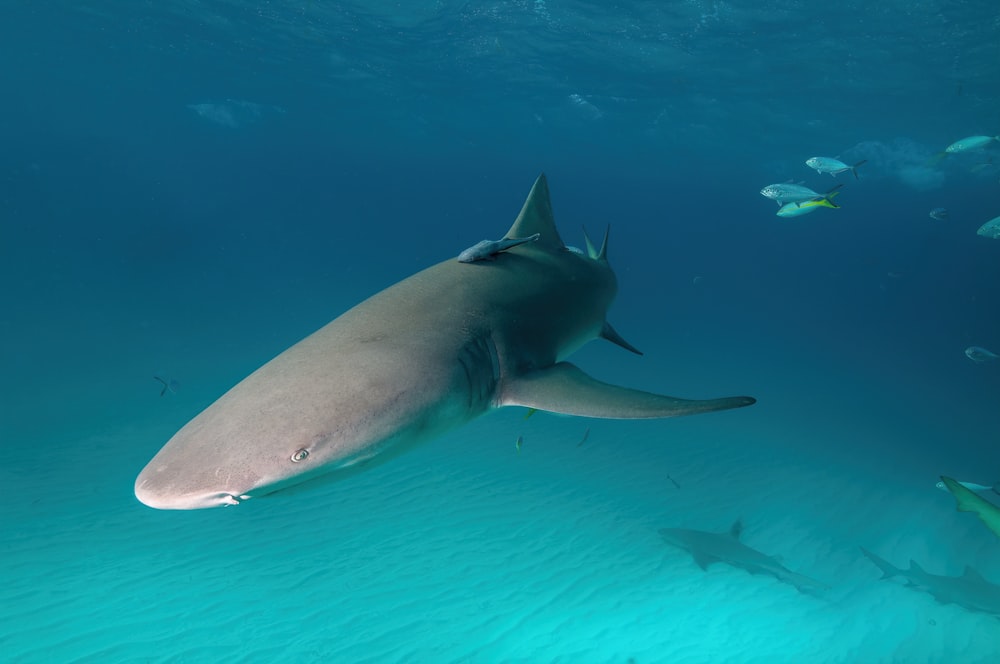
(536,217)
(736,529)
(602,255)
(972,575)
(592,251)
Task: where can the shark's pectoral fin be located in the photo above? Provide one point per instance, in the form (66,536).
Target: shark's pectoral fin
(703,560)
(563,388)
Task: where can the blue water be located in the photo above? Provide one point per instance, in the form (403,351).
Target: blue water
(188,188)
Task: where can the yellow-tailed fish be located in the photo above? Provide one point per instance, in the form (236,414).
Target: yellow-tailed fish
(798,209)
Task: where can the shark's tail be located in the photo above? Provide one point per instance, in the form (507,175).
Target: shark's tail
(888,569)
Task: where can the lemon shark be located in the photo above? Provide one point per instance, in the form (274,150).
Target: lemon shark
(707,548)
(970,590)
(419,358)
(969,501)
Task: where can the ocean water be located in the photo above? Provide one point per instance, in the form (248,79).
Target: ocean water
(188,188)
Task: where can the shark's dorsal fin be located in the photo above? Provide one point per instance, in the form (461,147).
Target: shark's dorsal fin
(536,217)
(703,560)
(972,575)
(611,335)
(736,529)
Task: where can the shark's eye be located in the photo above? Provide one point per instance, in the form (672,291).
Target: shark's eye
(299,455)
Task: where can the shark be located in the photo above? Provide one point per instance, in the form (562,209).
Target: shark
(970,590)
(968,501)
(709,547)
(418,359)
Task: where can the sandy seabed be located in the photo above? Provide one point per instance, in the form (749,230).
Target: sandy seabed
(466,550)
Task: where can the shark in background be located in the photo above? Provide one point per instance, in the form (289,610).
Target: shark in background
(969,501)
(420,358)
(707,548)
(970,590)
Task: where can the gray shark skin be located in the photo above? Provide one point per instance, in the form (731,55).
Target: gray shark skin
(421,357)
(486,250)
(707,548)
(970,590)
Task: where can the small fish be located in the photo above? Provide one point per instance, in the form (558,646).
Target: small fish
(971,486)
(990,229)
(979,355)
(832,166)
(970,143)
(518,443)
(531,411)
(940,214)
(584,439)
(169,385)
(798,209)
(487,250)
(787,192)
(674,481)
(794,193)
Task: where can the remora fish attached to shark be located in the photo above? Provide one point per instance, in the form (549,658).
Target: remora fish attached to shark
(970,590)
(707,548)
(486,250)
(411,362)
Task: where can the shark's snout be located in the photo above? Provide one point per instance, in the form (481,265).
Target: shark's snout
(171,500)
(162,491)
